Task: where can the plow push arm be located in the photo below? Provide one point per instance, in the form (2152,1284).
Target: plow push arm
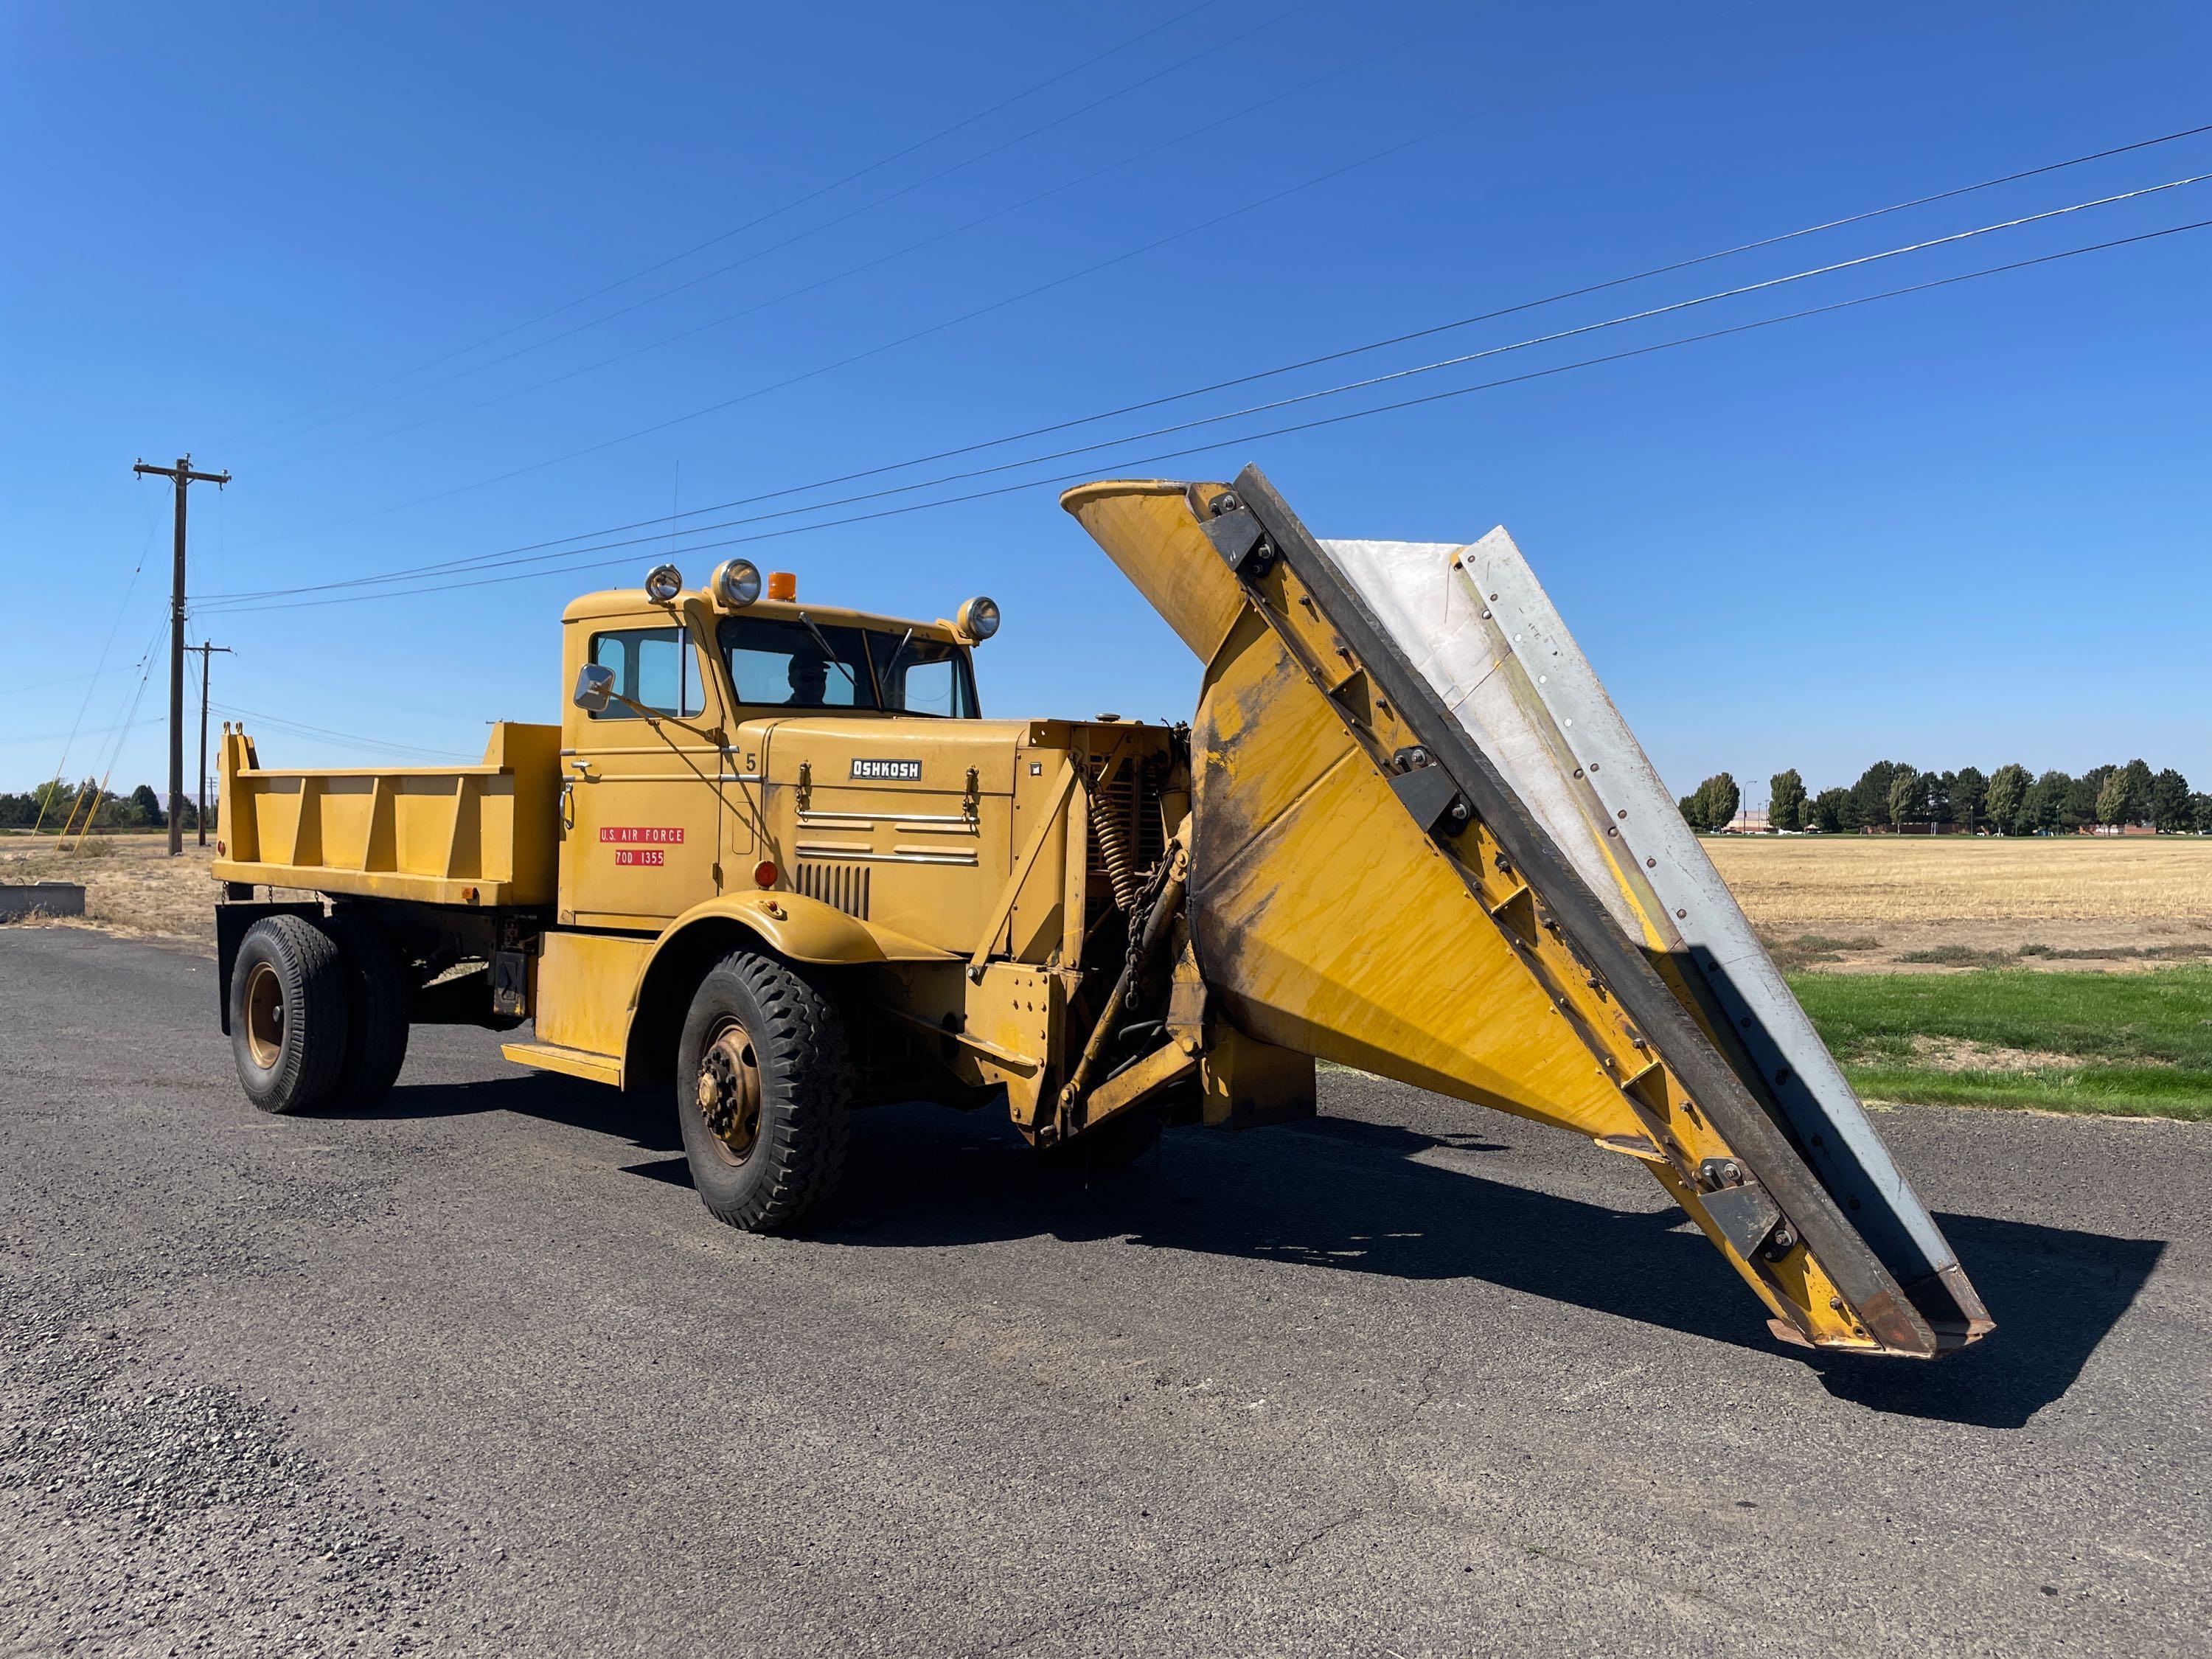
(1369,884)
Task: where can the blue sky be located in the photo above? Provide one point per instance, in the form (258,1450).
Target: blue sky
(1959,526)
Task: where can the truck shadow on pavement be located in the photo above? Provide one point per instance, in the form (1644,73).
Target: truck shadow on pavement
(1347,1195)
(2054,1291)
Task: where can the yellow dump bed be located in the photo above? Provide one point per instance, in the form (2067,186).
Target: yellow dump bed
(486,836)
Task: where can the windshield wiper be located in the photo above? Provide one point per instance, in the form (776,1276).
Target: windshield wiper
(892,661)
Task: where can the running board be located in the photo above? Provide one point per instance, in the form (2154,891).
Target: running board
(570,1062)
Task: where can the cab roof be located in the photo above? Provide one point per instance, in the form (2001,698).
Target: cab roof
(630,604)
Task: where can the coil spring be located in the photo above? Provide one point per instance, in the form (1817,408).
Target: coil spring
(1114,848)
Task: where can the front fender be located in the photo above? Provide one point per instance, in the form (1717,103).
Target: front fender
(801,929)
(796,927)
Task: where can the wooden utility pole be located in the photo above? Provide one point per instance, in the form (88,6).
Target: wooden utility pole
(183,477)
(206,650)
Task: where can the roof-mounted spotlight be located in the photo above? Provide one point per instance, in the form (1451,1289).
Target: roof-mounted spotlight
(978,619)
(662,583)
(736,584)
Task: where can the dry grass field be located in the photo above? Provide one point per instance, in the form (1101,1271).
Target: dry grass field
(2061,975)
(1864,902)
(1881,903)
(2073,975)
(131,885)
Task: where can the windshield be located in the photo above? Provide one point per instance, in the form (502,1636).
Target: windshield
(780,662)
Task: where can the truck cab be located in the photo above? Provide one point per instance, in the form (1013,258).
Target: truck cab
(699,709)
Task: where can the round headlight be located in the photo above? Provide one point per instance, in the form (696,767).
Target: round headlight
(978,618)
(736,584)
(662,583)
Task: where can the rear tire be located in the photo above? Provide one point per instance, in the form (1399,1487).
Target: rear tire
(763,1092)
(288,1014)
(376,1011)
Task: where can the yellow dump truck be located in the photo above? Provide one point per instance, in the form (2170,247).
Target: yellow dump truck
(775,856)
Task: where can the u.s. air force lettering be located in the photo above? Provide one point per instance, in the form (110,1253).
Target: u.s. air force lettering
(886,771)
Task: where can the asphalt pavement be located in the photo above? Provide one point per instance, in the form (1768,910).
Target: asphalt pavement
(473,1372)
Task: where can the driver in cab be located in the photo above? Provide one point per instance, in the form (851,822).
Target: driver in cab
(809,675)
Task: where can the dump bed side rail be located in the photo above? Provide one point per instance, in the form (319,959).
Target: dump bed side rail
(485,835)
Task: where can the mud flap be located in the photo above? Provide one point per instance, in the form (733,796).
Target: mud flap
(1415,853)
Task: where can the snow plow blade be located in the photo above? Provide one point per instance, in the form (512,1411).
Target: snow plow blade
(1423,844)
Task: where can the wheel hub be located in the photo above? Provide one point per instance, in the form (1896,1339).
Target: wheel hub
(264,1015)
(729,1085)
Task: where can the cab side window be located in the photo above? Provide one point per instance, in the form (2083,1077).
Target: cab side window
(653,667)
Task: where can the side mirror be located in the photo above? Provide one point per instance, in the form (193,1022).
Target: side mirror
(595,687)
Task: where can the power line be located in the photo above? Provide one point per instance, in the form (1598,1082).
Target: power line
(1218,386)
(112,742)
(896,254)
(530,556)
(795,203)
(1623,356)
(1212,222)
(99,665)
(356,737)
(830,224)
(49,681)
(14,738)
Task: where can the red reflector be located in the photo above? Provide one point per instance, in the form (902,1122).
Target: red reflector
(764,873)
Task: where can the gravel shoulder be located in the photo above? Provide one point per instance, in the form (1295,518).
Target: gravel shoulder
(475,1374)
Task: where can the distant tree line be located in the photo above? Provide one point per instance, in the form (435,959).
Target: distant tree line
(86,806)
(2009,801)
(1713,804)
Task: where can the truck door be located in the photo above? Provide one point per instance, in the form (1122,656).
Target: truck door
(642,792)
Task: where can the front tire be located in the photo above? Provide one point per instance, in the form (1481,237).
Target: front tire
(288,1014)
(763,1092)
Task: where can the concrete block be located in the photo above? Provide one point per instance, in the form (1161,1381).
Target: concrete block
(41,898)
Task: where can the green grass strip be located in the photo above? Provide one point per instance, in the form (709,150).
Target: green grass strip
(2141,1043)
(2120,1091)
